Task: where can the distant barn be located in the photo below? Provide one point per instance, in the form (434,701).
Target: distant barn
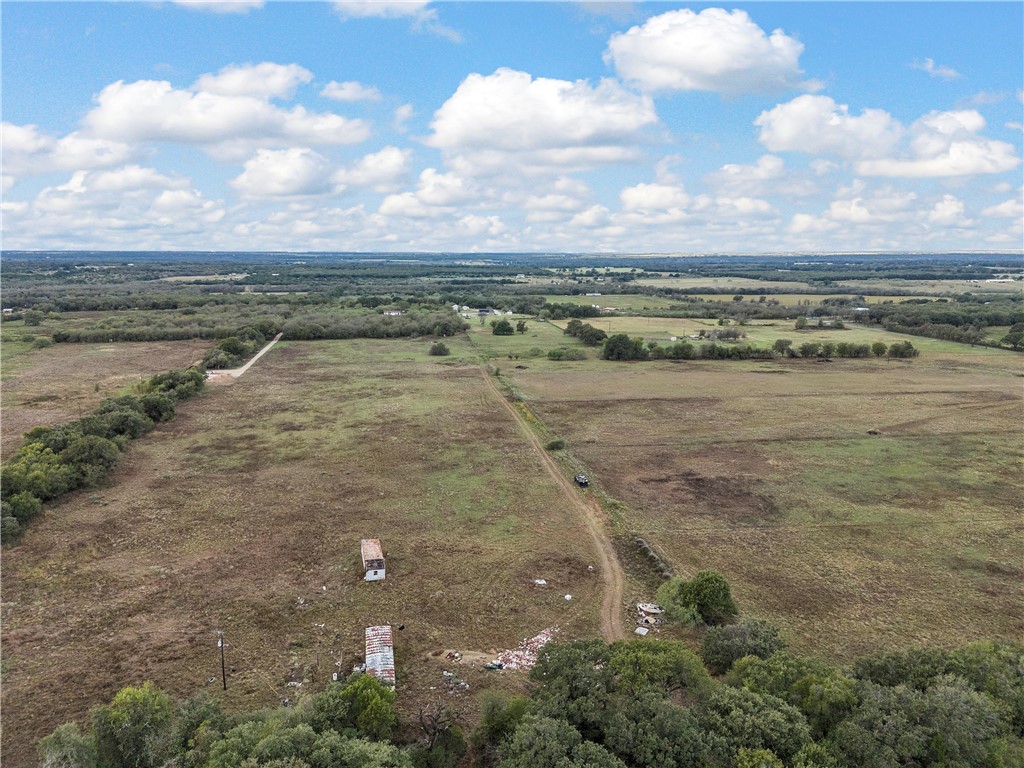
(380,654)
(373,559)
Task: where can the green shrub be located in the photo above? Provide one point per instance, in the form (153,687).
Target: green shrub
(24,506)
(750,637)
(10,529)
(704,599)
(563,353)
(555,445)
(439,349)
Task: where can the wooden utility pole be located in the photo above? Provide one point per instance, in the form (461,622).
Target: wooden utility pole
(223,670)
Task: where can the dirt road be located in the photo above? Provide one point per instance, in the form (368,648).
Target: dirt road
(590,510)
(228,375)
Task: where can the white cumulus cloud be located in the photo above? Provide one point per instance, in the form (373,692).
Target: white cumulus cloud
(27,152)
(153,110)
(284,173)
(350,90)
(949,212)
(946,144)
(423,18)
(817,125)
(653,197)
(380,171)
(714,50)
(767,176)
(220,6)
(388,9)
(510,121)
(264,81)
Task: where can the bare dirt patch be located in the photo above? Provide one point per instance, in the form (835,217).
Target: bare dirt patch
(66,381)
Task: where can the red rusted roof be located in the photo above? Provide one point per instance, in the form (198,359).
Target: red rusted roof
(371,549)
(380,654)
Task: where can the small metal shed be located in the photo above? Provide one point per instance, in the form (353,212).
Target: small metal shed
(380,654)
(373,559)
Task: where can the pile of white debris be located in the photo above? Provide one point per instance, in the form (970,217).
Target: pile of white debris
(525,656)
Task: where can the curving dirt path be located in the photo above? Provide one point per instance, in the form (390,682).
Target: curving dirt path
(592,514)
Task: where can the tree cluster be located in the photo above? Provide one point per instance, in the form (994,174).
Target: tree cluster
(234,350)
(54,461)
(651,704)
(585,332)
(349,725)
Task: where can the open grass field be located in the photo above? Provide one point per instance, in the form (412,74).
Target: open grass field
(763,333)
(941,287)
(850,542)
(793,283)
(245,514)
(57,384)
(635,302)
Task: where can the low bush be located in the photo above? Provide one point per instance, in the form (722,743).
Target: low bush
(751,637)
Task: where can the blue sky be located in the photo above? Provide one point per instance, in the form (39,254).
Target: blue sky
(611,127)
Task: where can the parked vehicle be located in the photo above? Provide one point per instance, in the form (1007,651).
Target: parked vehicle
(581,480)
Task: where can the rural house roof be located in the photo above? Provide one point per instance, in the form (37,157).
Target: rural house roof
(371,550)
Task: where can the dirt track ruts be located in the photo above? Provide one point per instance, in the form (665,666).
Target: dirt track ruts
(611,570)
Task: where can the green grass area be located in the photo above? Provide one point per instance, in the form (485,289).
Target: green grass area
(764,333)
(793,283)
(849,541)
(934,287)
(539,335)
(245,513)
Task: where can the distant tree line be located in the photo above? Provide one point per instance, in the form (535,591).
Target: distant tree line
(326,324)
(54,461)
(623,347)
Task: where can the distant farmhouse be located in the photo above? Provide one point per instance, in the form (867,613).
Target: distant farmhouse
(380,654)
(373,559)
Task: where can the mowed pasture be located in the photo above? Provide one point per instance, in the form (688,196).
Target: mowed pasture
(850,541)
(244,514)
(60,383)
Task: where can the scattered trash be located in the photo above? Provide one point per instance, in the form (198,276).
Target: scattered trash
(452,683)
(524,657)
(590,568)
(568,597)
(453,656)
(642,631)
(211,680)
(540,582)
(648,615)
(301,602)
